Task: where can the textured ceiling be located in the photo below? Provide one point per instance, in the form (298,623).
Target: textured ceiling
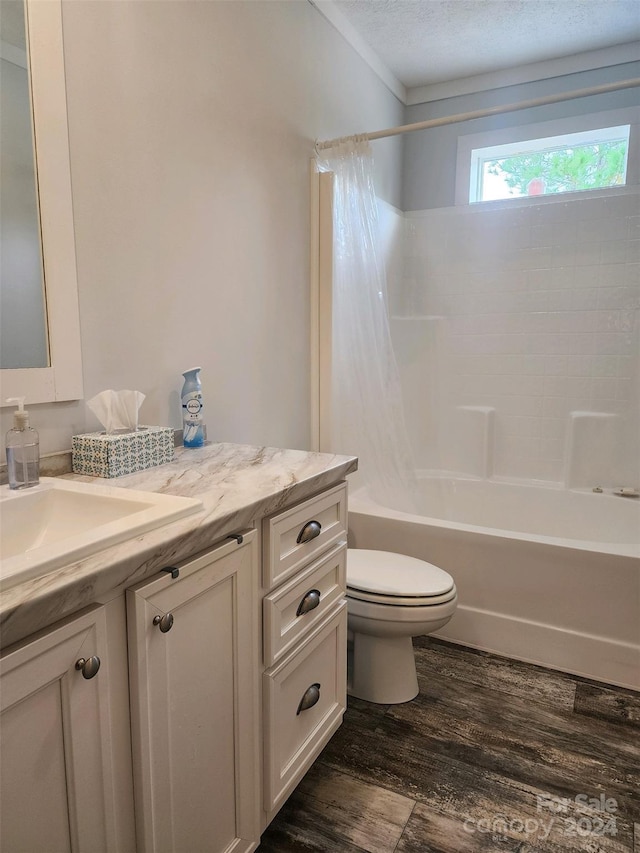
(430,41)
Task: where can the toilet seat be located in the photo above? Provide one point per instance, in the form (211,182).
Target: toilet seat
(401,601)
(383,577)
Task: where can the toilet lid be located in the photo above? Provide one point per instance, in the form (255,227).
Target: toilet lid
(390,574)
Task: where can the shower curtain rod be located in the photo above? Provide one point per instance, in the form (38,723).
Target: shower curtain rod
(489,111)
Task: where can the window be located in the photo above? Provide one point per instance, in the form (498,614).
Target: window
(572,162)
(593,152)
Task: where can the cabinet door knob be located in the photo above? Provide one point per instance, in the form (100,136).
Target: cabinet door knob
(310,530)
(309,602)
(309,698)
(165,623)
(88,666)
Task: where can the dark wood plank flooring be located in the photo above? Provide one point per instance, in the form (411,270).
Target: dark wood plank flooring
(493,756)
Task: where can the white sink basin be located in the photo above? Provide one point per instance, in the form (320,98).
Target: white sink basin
(60,521)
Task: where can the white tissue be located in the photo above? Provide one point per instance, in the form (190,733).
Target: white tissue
(117,410)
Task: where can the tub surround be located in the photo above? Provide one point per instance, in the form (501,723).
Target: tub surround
(518,321)
(237,484)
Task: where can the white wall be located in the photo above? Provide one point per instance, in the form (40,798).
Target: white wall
(191,128)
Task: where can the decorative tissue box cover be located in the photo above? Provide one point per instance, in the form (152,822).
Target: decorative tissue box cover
(102,455)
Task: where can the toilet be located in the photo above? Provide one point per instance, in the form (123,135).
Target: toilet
(390,599)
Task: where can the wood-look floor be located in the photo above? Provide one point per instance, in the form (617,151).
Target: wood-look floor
(490,756)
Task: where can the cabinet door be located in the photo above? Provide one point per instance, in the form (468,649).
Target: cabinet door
(56,776)
(193,693)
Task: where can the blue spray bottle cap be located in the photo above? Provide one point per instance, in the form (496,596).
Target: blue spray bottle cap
(192,373)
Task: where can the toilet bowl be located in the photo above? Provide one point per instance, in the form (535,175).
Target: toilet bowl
(390,599)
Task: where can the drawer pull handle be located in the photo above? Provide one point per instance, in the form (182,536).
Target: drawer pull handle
(309,532)
(309,699)
(173,571)
(309,602)
(88,666)
(165,623)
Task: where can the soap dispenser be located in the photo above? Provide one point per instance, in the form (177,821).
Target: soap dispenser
(23,451)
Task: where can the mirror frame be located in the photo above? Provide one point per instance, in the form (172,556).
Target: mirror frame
(62,380)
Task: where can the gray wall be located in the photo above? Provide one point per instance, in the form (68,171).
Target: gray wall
(430,155)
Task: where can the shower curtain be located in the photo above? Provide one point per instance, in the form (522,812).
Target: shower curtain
(367,410)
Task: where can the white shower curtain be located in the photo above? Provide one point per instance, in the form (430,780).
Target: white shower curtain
(367,410)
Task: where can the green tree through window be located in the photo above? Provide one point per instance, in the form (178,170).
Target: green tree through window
(583,167)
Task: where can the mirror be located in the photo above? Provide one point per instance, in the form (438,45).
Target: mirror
(23,332)
(40,356)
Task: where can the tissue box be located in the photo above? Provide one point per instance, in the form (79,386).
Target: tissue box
(102,455)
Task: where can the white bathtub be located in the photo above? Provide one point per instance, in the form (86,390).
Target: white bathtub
(546,575)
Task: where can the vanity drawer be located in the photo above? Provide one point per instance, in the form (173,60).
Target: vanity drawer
(298,535)
(294,736)
(301,603)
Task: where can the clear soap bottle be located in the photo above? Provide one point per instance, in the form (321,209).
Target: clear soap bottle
(23,450)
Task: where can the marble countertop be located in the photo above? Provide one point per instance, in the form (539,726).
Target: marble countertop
(237,485)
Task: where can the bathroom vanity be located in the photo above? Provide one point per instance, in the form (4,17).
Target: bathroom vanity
(168,693)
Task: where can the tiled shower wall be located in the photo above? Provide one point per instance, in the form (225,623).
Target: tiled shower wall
(509,320)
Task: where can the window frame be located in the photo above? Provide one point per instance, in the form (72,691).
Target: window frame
(467,143)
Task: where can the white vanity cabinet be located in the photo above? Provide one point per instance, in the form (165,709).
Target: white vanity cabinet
(178,716)
(64,738)
(192,665)
(304,639)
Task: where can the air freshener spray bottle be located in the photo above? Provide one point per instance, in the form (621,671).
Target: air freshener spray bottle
(192,418)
